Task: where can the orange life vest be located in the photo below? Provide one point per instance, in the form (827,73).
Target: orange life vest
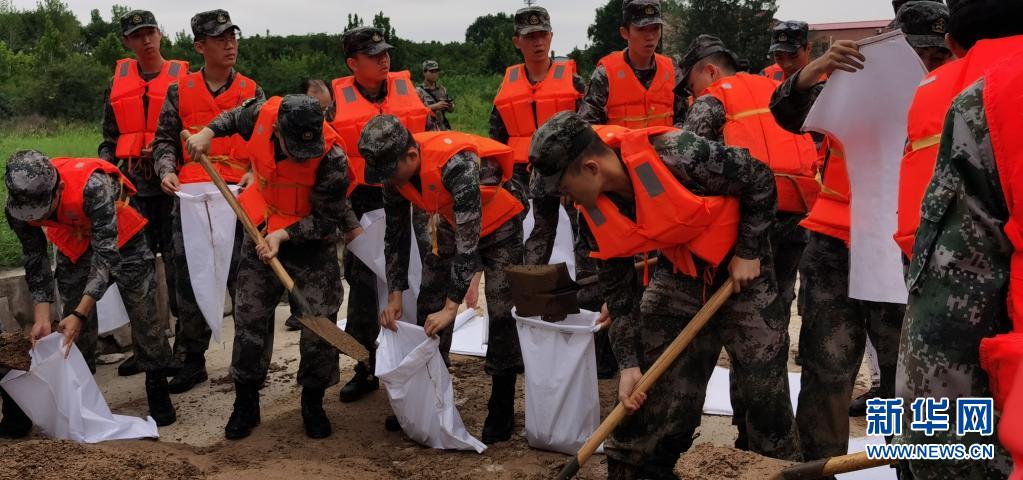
(353,112)
(436,148)
(71,232)
(830,214)
(136,125)
(774,72)
(516,100)
(631,105)
(750,125)
(669,217)
(197,108)
(926,120)
(279,196)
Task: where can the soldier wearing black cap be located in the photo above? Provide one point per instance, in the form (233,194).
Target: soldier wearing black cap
(435,95)
(299,199)
(570,157)
(925,24)
(131,108)
(790,48)
(636,87)
(77,204)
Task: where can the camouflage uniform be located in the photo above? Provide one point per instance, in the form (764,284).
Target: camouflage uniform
(437,94)
(750,325)
(193,333)
(310,256)
(130,267)
(835,327)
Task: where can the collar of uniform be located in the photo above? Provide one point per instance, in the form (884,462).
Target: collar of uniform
(628,61)
(227,85)
(379,97)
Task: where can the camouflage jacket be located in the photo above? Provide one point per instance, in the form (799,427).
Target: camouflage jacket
(331,209)
(432,122)
(706,117)
(499,132)
(430,96)
(142,174)
(705,168)
(167,142)
(100,205)
(593,104)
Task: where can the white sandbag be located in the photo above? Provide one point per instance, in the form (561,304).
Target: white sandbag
(110,311)
(369,248)
(470,335)
(420,389)
(562,401)
(564,242)
(62,398)
(207,225)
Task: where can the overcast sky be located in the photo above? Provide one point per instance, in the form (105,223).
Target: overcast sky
(442,20)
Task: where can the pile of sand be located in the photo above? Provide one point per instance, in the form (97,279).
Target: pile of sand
(59,460)
(711,462)
(14,348)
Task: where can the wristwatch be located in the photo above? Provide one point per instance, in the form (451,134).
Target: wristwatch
(79,315)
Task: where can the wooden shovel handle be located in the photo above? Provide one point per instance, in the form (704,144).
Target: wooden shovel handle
(594,279)
(827,467)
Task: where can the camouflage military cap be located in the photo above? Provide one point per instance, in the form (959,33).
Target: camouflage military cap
(702,47)
(135,20)
(300,121)
(430,65)
(31,182)
(383,142)
(368,40)
(640,13)
(789,36)
(555,145)
(532,19)
(924,23)
(211,24)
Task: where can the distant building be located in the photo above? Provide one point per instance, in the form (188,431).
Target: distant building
(822,35)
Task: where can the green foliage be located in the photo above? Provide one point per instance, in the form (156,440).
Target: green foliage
(743,25)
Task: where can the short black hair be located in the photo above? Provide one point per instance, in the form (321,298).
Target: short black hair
(979,20)
(723,60)
(595,148)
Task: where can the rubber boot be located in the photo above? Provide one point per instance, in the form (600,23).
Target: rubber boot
(15,423)
(317,425)
(858,405)
(192,373)
(158,397)
(245,415)
(128,367)
(391,423)
(361,384)
(501,410)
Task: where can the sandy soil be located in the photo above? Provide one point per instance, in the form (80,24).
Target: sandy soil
(14,348)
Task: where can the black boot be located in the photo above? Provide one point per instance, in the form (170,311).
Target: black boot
(317,425)
(292,324)
(501,410)
(160,406)
(15,423)
(362,383)
(858,405)
(128,367)
(245,415)
(391,423)
(192,373)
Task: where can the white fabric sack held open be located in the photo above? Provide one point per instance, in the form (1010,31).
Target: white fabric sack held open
(110,310)
(564,242)
(62,398)
(369,248)
(562,401)
(420,389)
(207,225)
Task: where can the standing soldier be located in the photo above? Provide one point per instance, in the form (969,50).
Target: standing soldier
(80,206)
(299,199)
(790,49)
(130,115)
(463,181)
(191,103)
(434,95)
(636,87)
(661,193)
(372,89)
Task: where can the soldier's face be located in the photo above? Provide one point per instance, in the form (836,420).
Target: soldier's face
(370,68)
(933,57)
(432,75)
(221,50)
(144,42)
(703,75)
(790,63)
(642,40)
(406,167)
(535,46)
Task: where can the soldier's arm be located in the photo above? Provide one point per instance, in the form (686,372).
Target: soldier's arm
(580,86)
(108,147)
(719,170)
(592,109)
(790,106)
(241,120)
(461,177)
(327,199)
(260,95)
(498,130)
(619,284)
(100,206)
(397,239)
(37,262)
(167,140)
(680,105)
(706,118)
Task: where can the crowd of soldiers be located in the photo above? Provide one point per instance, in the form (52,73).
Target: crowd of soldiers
(692,158)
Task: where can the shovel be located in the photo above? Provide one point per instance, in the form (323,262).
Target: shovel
(548,291)
(650,377)
(321,326)
(826,467)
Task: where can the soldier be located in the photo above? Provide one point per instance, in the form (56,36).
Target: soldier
(318,89)
(965,246)
(79,205)
(790,49)
(299,200)
(721,112)
(636,87)
(372,89)
(695,232)
(191,103)
(131,109)
(463,182)
(434,95)
(924,23)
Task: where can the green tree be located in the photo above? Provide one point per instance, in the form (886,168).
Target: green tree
(383,23)
(492,35)
(109,50)
(743,25)
(603,33)
(353,21)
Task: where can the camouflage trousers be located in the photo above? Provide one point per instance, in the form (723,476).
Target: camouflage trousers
(159,213)
(751,328)
(136,281)
(497,251)
(831,342)
(363,309)
(193,333)
(317,275)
